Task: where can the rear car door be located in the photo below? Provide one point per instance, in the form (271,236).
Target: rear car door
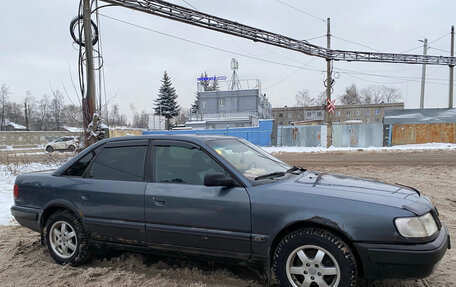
(181,211)
(111,193)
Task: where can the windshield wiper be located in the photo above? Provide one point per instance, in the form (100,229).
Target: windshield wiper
(295,168)
(272,174)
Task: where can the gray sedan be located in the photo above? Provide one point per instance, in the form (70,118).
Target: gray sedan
(224,198)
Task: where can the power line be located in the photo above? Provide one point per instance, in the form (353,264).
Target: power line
(208,46)
(302,11)
(438,39)
(359,44)
(289,75)
(420,47)
(260,59)
(446,51)
(186,2)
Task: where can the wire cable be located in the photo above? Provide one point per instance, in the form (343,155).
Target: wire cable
(302,11)
(421,46)
(359,44)
(190,5)
(209,46)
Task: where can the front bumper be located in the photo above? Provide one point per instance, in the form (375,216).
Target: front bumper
(403,261)
(27,217)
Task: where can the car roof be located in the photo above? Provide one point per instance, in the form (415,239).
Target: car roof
(183,137)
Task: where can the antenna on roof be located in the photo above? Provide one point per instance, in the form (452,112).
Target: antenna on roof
(235,83)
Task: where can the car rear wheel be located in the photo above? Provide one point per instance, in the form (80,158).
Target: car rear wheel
(311,257)
(49,149)
(71,148)
(66,239)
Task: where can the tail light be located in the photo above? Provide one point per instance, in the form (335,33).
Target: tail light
(16,191)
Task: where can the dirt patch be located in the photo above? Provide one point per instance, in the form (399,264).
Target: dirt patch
(24,262)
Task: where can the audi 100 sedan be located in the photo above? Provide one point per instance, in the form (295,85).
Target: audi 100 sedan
(225,198)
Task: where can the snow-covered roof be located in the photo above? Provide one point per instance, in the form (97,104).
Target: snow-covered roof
(73,129)
(195,123)
(420,116)
(14,125)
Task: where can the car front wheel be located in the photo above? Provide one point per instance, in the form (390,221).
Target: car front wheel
(49,149)
(314,257)
(66,239)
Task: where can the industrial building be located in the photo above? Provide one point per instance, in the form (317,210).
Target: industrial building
(236,103)
(363,113)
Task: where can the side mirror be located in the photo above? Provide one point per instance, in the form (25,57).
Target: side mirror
(219,179)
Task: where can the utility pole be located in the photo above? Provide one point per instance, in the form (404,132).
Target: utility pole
(423,74)
(26,117)
(328,87)
(90,99)
(451,69)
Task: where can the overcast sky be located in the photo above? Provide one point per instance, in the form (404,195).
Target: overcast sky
(36,50)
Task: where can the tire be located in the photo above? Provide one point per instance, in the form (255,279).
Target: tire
(307,256)
(66,238)
(49,148)
(71,148)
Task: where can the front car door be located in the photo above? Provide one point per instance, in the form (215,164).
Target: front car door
(182,212)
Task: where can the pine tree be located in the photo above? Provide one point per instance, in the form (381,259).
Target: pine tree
(166,103)
(195,108)
(205,83)
(214,86)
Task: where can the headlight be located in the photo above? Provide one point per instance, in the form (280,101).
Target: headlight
(423,226)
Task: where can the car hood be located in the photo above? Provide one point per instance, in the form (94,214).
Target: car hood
(360,189)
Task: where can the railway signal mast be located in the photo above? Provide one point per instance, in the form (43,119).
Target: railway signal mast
(203,20)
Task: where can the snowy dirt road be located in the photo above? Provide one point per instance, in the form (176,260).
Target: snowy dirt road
(21,249)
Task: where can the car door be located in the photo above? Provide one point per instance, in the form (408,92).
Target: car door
(111,193)
(59,144)
(181,211)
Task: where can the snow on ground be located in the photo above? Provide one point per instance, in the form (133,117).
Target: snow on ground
(410,147)
(7,177)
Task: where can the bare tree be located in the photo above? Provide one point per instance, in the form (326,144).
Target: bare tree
(43,116)
(115,118)
(182,117)
(4,92)
(351,96)
(391,95)
(56,108)
(303,99)
(321,99)
(140,120)
(375,94)
(372,94)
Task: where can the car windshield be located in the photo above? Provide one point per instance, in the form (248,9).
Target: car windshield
(250,160)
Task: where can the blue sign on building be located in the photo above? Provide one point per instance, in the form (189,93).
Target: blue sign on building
(220,78)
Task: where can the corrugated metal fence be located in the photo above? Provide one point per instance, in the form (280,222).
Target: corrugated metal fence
(352,135)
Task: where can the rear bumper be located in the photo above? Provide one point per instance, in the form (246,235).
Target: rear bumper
(27,217)
(403,261)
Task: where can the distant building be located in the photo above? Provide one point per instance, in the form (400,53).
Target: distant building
(238,108)
(12,126)
(235,103)
(364,113)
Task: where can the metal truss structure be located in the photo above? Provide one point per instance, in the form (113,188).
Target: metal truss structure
(196,18)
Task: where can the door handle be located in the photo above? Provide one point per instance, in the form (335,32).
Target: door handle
(159,202)
(85,197)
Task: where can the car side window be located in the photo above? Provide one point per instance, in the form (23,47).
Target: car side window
(78,168)
(59,140)
(178,164)
(120,163)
